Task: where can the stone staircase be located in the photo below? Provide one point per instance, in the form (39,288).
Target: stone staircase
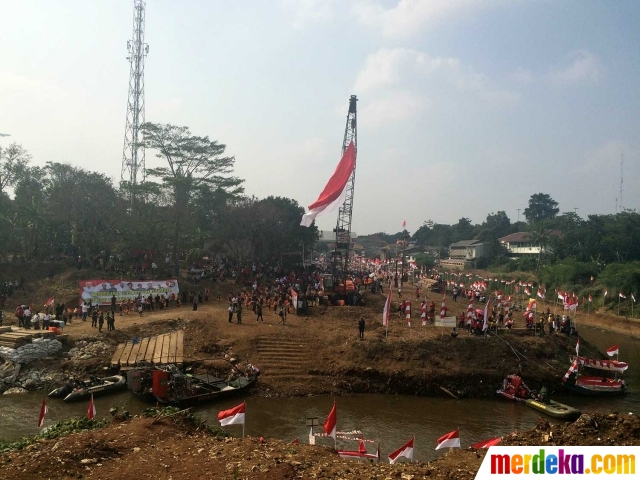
(279,356)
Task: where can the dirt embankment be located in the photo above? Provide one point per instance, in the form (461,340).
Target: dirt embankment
(170,448)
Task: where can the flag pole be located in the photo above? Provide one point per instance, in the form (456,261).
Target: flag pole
(618,304)
(243,430)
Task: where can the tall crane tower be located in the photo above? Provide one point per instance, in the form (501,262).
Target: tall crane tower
(340,254)
(133,169)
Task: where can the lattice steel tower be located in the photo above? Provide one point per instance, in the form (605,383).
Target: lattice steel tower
(343,227)
(133,152)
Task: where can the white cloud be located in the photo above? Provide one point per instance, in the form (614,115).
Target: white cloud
(305,12)
(584,67)
(398,71)
(391,108)
(407,17)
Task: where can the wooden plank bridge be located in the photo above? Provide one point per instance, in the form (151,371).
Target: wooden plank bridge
(158,350)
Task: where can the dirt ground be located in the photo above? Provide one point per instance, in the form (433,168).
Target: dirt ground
(170,448)
(321,352)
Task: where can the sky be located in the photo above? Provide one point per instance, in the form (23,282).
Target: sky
(466,107)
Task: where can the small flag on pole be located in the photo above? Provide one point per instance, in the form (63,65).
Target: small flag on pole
(622,295)
(329,426)
(590,298)
(633,298)
(387,309)
(578,347)
(91,412)
(449,440)
(606,292)
(487,443)
(611,351)
(43,411)
(404,223)
(404,451)
(233,416)
(50,303)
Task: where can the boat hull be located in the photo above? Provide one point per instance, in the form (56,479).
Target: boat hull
(205,397)
(109,385)
(591,390)
(554,409)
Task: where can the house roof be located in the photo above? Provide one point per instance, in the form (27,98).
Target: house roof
(466,243)
(525,236)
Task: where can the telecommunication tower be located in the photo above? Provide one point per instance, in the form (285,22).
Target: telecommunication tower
(343,227)
(133,168)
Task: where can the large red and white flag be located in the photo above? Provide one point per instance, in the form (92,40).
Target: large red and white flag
(335,191)
(233,416)
(50,303)
(91,411)
(487,443)
(615,350)
(330,423)
(43,411)
(387,309)
(404,451)
(449,440)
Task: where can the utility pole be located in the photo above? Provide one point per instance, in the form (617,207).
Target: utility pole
(518,209)
(133,168)
(575,210)
(621,178)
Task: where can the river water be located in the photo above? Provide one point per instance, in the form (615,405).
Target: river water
(388,419)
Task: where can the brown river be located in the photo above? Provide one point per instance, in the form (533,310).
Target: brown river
(390,420)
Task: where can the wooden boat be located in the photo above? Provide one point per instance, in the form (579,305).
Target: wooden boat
(595,385)
(168,385)
(99,386)
(554,409)
(360,454)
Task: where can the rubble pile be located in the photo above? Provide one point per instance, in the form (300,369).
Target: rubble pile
(83,350)
(39,348)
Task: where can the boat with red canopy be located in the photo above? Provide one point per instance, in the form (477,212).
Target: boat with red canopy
(595,385)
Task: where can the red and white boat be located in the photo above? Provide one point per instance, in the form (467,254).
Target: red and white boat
(360,454)
(595,385)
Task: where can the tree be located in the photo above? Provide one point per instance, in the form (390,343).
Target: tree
(541,207)
(13,161)
(539,236)
(463,230)
(192,163)
(497,225)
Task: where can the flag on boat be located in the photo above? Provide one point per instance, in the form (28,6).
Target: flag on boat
(233,416)
(50,303)
(335,191)
(404,451)
(578,347)
(387,309)
(622,295)
(43,411)
(487,443)
(449,440)
(91,412)
(329,426)
(572,369)
(615,350)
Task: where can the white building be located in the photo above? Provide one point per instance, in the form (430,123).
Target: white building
(520,243)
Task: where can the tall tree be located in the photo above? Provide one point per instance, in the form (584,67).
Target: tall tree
(192,163)
(541,207)
(13,160)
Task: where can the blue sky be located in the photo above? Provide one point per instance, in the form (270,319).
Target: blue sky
(465,106)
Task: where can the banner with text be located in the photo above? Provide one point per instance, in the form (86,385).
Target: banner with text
(100,292)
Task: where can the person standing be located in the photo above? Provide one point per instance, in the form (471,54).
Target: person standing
(113,304)
(230,310)
(259,312)
(361,328)
(27,318)
(100,322)
(195,303)
(94,318)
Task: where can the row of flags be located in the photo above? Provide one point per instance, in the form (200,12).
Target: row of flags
(44,410)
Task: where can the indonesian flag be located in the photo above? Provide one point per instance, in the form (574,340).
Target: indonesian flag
(540,294)
(443,308)
(450,440)
(622,295)
(404,451)
(233,416)
(633,298)
(590,298)
(50,303)
(485,324)
(387,309)
(527,291)
(572,369)
(470,311)
(605,292)
(329,426)
(615,350)
(487,443)
(335,191)
(43,411)
(91,411)
(560,296)
(404,224)
(296,441)
(578,347)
